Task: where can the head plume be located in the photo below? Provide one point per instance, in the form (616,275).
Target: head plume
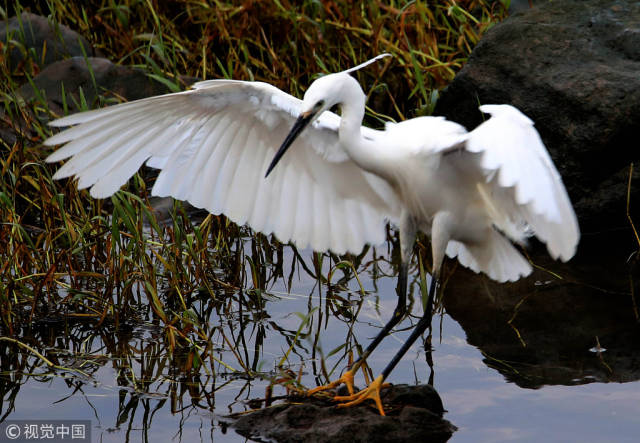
(367,63)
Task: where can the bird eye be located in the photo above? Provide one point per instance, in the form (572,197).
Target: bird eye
(319,105)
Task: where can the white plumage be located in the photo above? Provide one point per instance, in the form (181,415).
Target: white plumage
(213,144)
(340,182)
(221,146)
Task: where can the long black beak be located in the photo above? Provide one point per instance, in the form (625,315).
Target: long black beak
(298,126)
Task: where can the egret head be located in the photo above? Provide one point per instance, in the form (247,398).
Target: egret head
(322,95)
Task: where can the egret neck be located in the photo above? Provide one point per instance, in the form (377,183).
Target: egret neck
(364,153)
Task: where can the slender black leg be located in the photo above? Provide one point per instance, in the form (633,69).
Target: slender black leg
(407,239)
(373,390)
(398,314)
(423,324)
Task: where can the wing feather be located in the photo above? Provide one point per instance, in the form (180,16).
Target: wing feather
(302,218)
(525,186)
(237,203)
(336,226)
(197,178)
(287,202)
(212,145)
(259,213)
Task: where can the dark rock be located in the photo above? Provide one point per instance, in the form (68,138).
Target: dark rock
(414,413)
(7,135)
(572,66)
(110,79)
(519,5)
(63,63)
(33,32)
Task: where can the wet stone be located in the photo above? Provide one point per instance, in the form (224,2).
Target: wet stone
(414,413)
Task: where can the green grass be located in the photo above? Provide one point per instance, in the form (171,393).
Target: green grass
(108,263)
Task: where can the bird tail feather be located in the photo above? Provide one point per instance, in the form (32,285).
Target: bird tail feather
(496,257)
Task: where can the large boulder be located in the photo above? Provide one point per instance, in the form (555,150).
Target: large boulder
(34,38)
(79,77)
(572,66)
(59,59)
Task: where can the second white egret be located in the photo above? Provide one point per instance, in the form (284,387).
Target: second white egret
(334,184)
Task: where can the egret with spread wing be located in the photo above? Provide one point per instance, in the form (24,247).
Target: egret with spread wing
(333,184)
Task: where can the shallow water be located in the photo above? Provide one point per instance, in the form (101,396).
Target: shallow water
(539,360)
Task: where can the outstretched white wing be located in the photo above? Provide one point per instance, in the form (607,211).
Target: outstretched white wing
(213,144)
(523,181)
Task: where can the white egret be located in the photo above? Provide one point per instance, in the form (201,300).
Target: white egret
(218,144)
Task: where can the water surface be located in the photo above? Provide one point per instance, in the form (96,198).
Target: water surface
(543,359)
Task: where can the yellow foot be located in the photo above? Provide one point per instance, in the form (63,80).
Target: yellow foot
(372,392)
(347,379)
